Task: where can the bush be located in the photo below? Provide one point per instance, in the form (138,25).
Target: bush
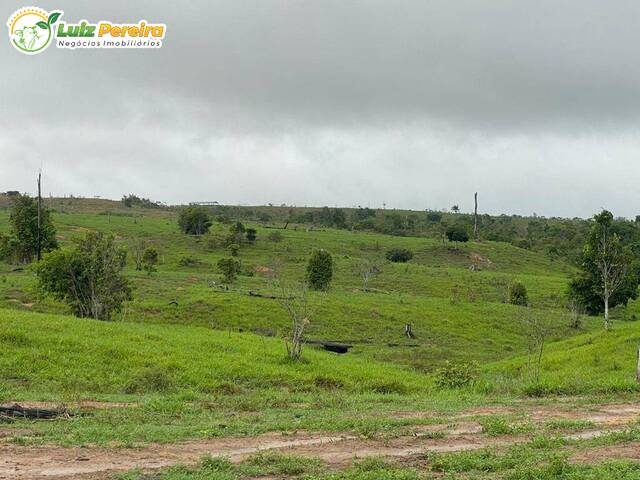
(187,261)
(457,233)
(320,270)
(230,268)
(234,249)
(88,277)
(150,260)
(251,234)
(399,255)
(194,221)
(518,294)
(434,217)
(8,248)
(456,375)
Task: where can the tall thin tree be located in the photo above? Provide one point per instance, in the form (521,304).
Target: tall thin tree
(475,216)
(39,240)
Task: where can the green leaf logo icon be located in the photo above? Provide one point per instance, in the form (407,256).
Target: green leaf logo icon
(54,17)
(42,25)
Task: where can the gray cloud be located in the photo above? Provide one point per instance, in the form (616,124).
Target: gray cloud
(415,103)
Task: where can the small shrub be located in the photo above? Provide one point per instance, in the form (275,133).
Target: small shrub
(234,249)
(151,379)
(230,268)
(456,375)
(150,260)
(188,261)
(496,426)
(457,233)
(518,294)
(251,235)
(399,255)
(320,270)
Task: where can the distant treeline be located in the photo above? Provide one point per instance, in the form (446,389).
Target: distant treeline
(556,237)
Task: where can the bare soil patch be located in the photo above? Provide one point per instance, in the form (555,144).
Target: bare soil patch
(459,433)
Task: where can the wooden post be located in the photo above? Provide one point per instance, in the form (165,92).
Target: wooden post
(638,367)
(39,245)
(475,216)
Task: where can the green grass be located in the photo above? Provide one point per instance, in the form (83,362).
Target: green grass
(600,361)
(199,362)
(456,314)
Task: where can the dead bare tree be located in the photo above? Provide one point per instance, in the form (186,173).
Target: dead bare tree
(39,240)
(537,328)
(575,313)
(295,300)
(137,248)
(367,271)
(475,216)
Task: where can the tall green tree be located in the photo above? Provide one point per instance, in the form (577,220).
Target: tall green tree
(609,272)
(24,228)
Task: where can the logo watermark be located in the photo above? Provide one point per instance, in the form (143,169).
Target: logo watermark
(32,30)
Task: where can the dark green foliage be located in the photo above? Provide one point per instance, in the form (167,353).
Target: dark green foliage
(188,261)
(326,217)
(518,294)
(455,375)
(88,277)
(587,287)
(457,233)
(150,260)
(339,218)
(433,216)
(22,245)
(131,200)
(230,268)
(320,270)
(8,248)
(194,220)
(237,228)
(234,249)
(251,235)
(399,255)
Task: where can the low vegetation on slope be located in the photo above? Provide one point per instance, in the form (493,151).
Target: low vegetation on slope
(597,362)
(50,355)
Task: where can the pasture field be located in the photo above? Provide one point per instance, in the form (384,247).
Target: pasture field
(191,379)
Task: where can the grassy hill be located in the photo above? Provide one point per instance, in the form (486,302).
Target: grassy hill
(456,313)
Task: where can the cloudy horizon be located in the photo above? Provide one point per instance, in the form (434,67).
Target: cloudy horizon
(417,105)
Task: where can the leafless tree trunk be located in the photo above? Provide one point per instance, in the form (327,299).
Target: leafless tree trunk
(295,301)
(367,271)
(638,367)
(137,248)
(537,328)
(39,244)
(475,216)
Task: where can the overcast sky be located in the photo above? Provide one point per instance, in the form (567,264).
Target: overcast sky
(534,104)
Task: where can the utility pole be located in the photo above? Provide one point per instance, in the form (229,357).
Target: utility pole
(39,246)
(475,216)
